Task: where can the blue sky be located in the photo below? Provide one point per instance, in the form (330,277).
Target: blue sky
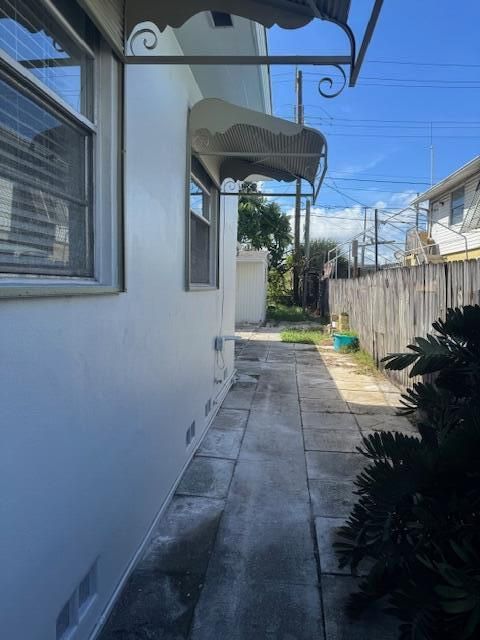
(377,131)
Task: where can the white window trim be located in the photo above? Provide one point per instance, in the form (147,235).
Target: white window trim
(107,202)
(213,223)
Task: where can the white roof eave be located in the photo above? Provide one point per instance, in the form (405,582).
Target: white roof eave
(450,182)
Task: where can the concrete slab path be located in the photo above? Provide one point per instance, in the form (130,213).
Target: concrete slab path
(244,551)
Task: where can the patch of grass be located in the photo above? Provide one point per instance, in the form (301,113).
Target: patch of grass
(304,336)
(282,312)
(279,312)
(366,364)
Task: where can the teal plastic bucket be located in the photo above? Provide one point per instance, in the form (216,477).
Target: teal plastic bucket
(341,341)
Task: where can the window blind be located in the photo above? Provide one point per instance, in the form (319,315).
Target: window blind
(45,217)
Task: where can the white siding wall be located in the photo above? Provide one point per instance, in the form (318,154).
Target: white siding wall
(251,301)
(447,240)
(96,393)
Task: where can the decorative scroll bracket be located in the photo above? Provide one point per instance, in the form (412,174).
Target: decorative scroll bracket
(143,42)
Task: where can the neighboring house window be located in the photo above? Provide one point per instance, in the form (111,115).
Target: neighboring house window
(59,138)
(203,228)
(458,203)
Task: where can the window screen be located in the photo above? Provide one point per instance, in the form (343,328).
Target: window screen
(200,251)
(203,207)
(458,201)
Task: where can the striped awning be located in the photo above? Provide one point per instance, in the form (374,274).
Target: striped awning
(245,143)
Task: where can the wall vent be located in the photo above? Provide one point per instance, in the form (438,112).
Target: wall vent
(74,610)
(190,434)
(66,620)
(221,19)
(87,590)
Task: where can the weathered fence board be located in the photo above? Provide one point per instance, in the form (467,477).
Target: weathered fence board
(389,308)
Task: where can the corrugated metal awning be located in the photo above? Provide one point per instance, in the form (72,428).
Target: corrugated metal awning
(289,14)
(249,143)
(118,20)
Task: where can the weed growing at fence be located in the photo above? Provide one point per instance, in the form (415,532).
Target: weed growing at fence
(365,362)
(304,336)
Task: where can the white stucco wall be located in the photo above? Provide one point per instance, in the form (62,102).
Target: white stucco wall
(251,288)
(97,392)
(448,241)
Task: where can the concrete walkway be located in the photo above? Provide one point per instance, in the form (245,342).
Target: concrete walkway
(244,551)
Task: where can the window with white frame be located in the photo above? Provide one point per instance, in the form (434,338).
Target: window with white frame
(458,206)
(59,143)
(203,228)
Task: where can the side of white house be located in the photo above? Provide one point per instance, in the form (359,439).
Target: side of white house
(454,213)
(446,233)
(98,393)
(251,287)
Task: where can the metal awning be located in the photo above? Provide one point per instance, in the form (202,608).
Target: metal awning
(289,14)
(247,143)
(118,20)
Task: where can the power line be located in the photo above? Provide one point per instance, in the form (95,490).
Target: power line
(402,85)
(386,135)
(417,86)
(391,126)
(390,79)
(380,181)
(427,122)
(424,64)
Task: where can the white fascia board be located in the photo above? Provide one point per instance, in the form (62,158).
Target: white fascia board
(449,183)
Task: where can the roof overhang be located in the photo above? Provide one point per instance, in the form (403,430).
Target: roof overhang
(247,143)
(452,181)
(289,14)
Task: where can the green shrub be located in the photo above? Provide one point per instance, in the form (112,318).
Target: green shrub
(279,289)
(416,525)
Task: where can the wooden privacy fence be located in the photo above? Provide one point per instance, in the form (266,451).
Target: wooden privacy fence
(390,307)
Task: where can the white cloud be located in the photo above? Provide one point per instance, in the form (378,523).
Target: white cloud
(361,167)
(344,223)
(338,224)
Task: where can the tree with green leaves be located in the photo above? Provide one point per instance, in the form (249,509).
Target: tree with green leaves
(319,249)
(262,225)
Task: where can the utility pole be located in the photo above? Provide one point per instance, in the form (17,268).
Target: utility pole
(298,199)
(355,258)
(362,262)
(307,252)
(376,239)
(432,159)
